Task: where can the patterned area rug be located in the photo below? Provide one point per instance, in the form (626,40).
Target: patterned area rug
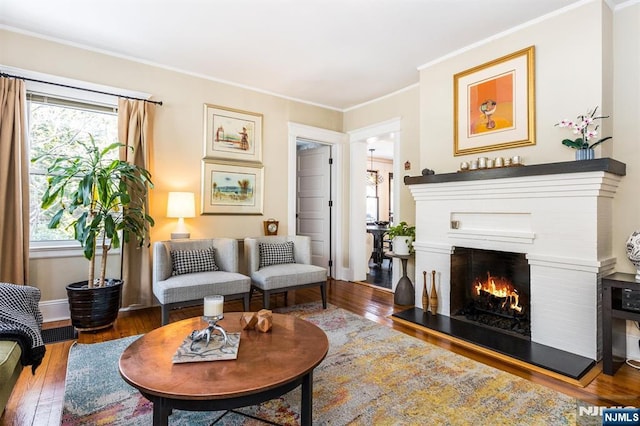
(371,375)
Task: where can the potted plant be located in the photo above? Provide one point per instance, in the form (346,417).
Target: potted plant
(585,126)
(402,236)
(103,200)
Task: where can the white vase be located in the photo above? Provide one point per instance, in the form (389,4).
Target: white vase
(402,244)
(633,251)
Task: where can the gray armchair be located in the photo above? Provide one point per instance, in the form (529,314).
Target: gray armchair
(191,277)
(277,267)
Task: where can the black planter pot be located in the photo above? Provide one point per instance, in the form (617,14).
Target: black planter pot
(94,308)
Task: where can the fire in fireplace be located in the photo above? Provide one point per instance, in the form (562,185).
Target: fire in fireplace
(491,288)
(498,295)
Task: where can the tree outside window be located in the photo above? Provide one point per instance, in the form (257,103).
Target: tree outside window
(54,125)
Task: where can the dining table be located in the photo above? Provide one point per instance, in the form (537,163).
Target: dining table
(378,232)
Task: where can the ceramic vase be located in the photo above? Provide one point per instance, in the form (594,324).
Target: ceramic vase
(633,251)
(402,244)
(585,154)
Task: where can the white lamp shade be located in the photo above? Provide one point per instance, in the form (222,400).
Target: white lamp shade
(181,204)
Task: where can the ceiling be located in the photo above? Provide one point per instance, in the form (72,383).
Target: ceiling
(334,53)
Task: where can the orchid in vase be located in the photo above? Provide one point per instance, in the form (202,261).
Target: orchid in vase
(586,127)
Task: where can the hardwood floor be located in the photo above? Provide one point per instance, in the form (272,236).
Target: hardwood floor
(380,276)
(38,399)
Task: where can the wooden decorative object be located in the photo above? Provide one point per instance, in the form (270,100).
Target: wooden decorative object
(425,297)
(265,320)
(261,320)
(433,299)
(248,320)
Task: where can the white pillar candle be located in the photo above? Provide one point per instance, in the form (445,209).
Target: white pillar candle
(213,306)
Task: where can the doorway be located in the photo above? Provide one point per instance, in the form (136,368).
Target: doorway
(379,214)
(314,199)
(338,144)
(359,163)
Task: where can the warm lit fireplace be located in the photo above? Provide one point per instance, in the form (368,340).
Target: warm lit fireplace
(531,211)
(492,289)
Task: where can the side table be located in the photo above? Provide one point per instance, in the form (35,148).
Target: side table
(614,317)
(405,294)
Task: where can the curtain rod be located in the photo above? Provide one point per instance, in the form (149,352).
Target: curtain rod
(2,74)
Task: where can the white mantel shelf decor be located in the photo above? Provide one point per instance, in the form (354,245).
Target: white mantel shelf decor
(559,215)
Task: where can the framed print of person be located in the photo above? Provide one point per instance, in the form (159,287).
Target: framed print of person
(232,134)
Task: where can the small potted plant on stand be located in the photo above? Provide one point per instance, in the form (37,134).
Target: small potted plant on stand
(104,198)
(587,129)
(402,236)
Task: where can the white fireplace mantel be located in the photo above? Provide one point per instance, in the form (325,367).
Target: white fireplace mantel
(559,215)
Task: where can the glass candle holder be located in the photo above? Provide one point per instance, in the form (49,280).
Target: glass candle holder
(214,306)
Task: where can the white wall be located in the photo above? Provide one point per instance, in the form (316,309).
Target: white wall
(595,65)
(403,104)
(625,146)
(177,148)
(588,56)
(567,84)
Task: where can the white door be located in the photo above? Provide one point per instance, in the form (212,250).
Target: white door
(313,195)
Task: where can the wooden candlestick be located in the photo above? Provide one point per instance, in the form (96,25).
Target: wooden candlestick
(433,299)
(425,297)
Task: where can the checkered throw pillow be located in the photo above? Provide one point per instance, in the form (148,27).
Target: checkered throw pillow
(275,254)
(197,260)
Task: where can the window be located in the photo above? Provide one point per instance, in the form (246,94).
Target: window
(56,125)
(372,208)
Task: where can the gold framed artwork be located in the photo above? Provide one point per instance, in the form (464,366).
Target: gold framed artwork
(232,134)
(232,188)
(494,104)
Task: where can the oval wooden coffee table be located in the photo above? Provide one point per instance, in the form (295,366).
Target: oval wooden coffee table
(268,365)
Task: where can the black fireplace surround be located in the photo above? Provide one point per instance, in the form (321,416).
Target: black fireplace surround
(491,289)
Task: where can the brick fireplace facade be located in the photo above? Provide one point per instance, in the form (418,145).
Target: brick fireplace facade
(558,215)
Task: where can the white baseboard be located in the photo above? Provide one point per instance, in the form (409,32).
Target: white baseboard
(58,310)
(55,310)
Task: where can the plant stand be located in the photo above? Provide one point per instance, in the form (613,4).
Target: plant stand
(405,293)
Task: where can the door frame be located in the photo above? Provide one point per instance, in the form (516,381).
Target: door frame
(358,166)
(339,142)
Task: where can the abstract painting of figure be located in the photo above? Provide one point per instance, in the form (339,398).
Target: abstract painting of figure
(491,105)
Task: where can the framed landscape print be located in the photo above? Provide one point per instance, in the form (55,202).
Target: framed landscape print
(494,104)
(232,134)
(232,188)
